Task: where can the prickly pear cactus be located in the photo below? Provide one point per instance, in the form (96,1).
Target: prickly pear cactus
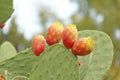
(6,9)
(7,51)
(20,64)
(56,63)
(99,61)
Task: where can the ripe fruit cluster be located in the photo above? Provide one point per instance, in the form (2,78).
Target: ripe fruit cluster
(69,36)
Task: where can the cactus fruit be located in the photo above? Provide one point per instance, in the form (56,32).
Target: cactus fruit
(54,33)
(83,46)
(2,77)
(80,63)
(38,44)
(2,25)
(69,35)
(56,63)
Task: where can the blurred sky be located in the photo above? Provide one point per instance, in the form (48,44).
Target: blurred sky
(28,20)
(27,14)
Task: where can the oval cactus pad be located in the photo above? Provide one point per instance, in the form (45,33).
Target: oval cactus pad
(56,63)
(21,64)
(96,64)
(7,51)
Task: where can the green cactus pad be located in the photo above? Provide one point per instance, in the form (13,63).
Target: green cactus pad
(7,51)
(21,64)
(6,9)
(56,63)
(96,64)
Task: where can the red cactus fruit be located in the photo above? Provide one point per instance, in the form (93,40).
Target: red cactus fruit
(2,25)
(38,44)
(54,33)
(83,46)
(70,35)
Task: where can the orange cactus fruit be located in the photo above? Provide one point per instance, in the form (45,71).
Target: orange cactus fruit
(2,25)
(70,35)
(2,77)
(83,46)
(54,33)
(38,44)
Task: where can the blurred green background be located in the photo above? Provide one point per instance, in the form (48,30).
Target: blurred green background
(106,18)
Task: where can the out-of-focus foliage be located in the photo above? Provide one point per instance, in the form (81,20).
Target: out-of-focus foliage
(6,9)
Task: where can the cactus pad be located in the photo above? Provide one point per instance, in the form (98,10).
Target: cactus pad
(7,51)
(56,63)
(20,64)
